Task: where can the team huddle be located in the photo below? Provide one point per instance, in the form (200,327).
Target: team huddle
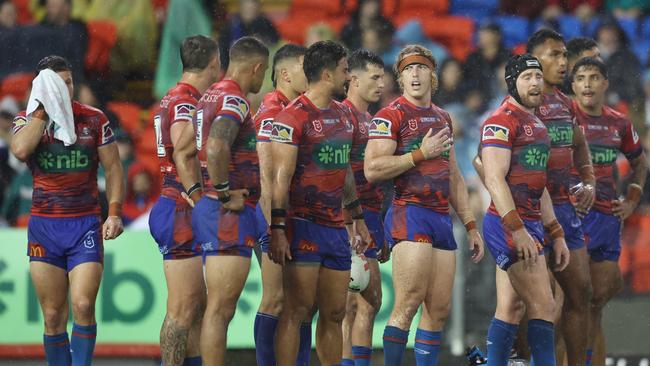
(303,179)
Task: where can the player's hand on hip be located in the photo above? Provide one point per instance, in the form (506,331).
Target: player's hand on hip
(279,250)
(622,208)
(476,246)
(435,145)
(384,253)
(112,227)
(586,197)
(361,230)
(237,199)
(526,247)
(562,255)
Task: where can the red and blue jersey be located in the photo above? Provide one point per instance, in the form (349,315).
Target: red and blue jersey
(427,184)
(177,106)
(370,195)
(272,104)
(608,134)
(557,113)
(324,140)
(225,99)
(513,128)
(65,177)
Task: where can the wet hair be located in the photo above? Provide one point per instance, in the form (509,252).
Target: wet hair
(54,63)
(323,55)
(197,52)
(361,58)
(578,45)
(246,48)
(540,37)
(286,52)
(590,62)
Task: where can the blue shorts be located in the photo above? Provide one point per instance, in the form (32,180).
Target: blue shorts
(223,232)
(170,226)
(571,224)
(419,224)
(319,244)
(603,236)
(376,229)
(499,242)
(65,242)
(262,229)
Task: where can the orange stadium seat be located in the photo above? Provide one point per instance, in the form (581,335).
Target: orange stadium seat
(455,32)
(328,7)
(293,28)
(421,8)
(24,14)
(130,115)
(17,85)
(635,253)
(388,7)
(102,36)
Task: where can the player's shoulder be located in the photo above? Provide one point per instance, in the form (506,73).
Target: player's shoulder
(615,115)
(506,114)
(87,112)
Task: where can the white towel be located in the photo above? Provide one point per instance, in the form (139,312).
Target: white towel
(49,89)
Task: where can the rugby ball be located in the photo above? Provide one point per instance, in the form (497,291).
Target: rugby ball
(359,273)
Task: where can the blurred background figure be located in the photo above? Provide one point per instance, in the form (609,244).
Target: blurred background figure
(366,15)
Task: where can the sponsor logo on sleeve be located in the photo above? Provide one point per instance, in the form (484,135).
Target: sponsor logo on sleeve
(184,112)
(266,128)
(380,127)
(19,122)
(107,132)
(282,132)
(495,132)
(236,104)
(635,136)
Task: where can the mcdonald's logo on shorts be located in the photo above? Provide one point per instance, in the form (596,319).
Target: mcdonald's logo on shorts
(36,250)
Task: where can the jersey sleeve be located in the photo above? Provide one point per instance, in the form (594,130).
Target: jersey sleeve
(499,132)
(234,107)
(630,144)
(286,128)
(264,124)
(181,110)
(106,132)
(19,122)
(384,125)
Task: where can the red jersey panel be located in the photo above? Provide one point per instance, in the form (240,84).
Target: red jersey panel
(526,136)
(272,104)
(225,99)
(427,184)
(65,177)
(558,115)
(608,134)
(324,140)
(177,106)
(370,195)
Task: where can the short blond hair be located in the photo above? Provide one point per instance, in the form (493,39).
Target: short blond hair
(416,49)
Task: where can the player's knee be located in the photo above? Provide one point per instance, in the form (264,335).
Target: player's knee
(439,311)
(186,313)
(511,312)
(272,303)
(580,299)
(54,318)
(83,309)
(334,315)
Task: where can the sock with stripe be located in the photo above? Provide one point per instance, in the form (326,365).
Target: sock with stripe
(192,361)
(588,358)
(361,355)
(82,344)
(394,345)
(304,350)
(347,362)
(264,333)
(57,349)
(541,338)
(500,338)
(427,345)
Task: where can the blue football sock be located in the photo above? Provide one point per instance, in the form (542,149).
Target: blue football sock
(394,345)
(264,333)
(541,339)
(347,362)
(427,345)
(82,344)
(304,350)
(192,361)
(501,336)
(361,355)
(588,358)
(57,349)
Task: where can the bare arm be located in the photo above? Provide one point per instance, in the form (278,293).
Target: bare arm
(185,154)
(349,188)
(284,156)
(25,141)
(264,151)
(115,187)
(478,166)
(624,208)
(582,157)
(546,207)
(496,163)
(639,170)
(458,196)
(222,135)
(554,230)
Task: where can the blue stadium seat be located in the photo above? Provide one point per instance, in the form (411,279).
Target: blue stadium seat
(515,29)
(631,28)
(478,10)
(570,26)
(645,28)
(641,49)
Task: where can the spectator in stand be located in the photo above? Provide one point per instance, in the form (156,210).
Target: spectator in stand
(481,65)
(582,9)
(72,34)
(627,8)
(623,66)
(141,193)
(250,21)
(376,38)
(412,33)
(7,14)
(17,203)
(449,85)
(528,9)
(8,110)
(366,15)
(319,32)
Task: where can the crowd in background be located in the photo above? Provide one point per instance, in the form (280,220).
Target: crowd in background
(125,55)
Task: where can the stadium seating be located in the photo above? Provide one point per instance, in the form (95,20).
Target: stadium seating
(102,36)
(514,29)
(17,85)
(479,10)
(455,32)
